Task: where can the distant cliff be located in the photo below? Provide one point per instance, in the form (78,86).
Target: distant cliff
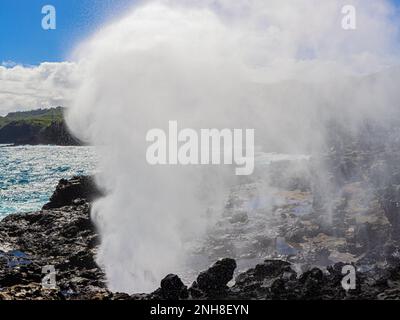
(43,126)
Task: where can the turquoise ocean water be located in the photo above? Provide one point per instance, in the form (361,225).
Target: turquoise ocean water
(29,174)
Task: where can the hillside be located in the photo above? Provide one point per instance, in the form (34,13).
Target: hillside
(43,126)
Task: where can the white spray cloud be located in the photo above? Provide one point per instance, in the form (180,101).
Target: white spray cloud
(43,86)
(278,67)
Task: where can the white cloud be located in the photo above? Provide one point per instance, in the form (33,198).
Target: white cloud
(32,87)
(9,64)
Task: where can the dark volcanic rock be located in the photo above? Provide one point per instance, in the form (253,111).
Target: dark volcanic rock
(257,283)
(64,238)
(172,288)
(68,191)
(40,239)
(213,282)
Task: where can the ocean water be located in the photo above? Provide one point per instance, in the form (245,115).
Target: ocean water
(29,174)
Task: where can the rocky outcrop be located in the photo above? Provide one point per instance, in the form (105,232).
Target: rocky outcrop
(74,191)
(212,283)
(277,280)
(172,288)
(63,237)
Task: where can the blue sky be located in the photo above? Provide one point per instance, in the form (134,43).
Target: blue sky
(23,41)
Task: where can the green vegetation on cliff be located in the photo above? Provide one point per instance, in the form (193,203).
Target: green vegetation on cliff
(43,126)
(41,117)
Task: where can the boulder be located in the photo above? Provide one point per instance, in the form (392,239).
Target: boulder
(213,282)
(172,288)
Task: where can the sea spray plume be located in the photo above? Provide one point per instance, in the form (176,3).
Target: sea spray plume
(151,211)
(275,67)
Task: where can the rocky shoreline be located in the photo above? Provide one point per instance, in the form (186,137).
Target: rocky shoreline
(62,235)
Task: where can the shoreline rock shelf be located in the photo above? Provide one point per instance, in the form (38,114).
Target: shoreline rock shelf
(63,235)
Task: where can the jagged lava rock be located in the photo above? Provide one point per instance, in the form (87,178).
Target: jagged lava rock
(63,237)
(213,282)
(172,288)
(68,191)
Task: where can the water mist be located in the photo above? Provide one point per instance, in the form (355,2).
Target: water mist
(279,68)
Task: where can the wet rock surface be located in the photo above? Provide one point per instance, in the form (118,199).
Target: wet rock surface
(62,238)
